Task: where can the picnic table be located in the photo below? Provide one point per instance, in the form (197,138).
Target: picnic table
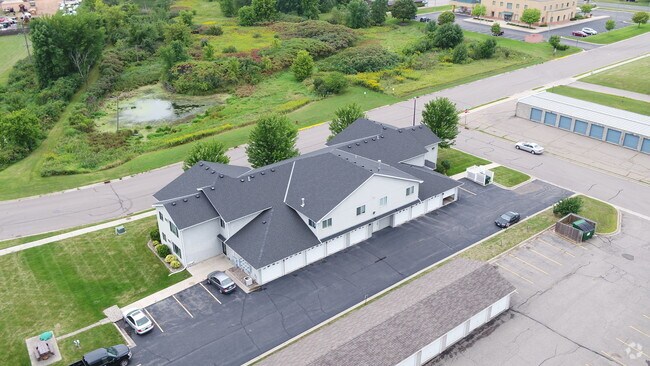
(43,350)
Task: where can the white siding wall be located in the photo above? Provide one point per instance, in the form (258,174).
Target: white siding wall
(163,227)
(271,272)
(294,262)
(345,215)
(234,226)
(432,153)
(240,262)
(200,242)
(430,351)
(418,160)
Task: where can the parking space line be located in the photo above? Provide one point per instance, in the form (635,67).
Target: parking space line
(470,192)
(211,294)
(634,348)
(613,359)
(516,274)
(542,255)
(153,320)
(528,264)
(556,247)
(647,317)
(640,331)
(184,308)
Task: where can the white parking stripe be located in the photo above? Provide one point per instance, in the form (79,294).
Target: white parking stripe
(184,308)
(640,331)
(542,255)
(211,294)
(153,320)
(470,192)
(528,264)
(515,273)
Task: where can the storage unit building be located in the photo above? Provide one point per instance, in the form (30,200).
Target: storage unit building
(616,126)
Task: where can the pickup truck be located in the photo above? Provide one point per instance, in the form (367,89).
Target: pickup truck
(118,355)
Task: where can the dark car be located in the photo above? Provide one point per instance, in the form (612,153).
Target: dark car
(425,19)
(579,34)
(221,280)
(499,33)
(507,219)
(118,355)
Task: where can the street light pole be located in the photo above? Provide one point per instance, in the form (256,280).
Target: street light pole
(415,101)
(117,113)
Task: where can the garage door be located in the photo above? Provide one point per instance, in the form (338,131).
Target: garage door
(433,203)
(381,223)
(417,210)
(271,272)
(335,245)
(401,217)
(358,235)
(294,262)
(315,253)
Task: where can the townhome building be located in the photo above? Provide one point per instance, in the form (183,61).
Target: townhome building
(273,220)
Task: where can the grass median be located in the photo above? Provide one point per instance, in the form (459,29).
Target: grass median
(459,160)
(509,177)
(616,34)
(610,100)
(632,76)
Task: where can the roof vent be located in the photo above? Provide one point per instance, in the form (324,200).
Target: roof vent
(378,164)
(197,195)
(242,180)
(207,168)
(201,164)
(173,203)
(263,222)
(252,176)
(262,173)
(358,144)
(212,188)
(363,166)
(374,139)
(249,178)
(212,172)
(302,203)
(349,146)
(365,141)
(272,169)
(383,127)
(220,175)
(412,128)
(420,126)
(400,130)
(184,199)
(370,169)
(381,136)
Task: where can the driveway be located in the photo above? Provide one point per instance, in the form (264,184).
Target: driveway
(201,327)
(574,305)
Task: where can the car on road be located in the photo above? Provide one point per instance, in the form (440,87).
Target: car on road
(589,31)
(579,34)
(499,33)
(137,320)
(118,355)
(507,219)
(530,147)
(425,19)
(222,282)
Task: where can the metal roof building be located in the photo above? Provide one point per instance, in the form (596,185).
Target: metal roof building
(616,126)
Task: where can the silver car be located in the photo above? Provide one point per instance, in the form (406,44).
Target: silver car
(531,147)
(137,320)
(589,31)
(222,282)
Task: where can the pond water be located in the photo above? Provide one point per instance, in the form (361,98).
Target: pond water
(154,110)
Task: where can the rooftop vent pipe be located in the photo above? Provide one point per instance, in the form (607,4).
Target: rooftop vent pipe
(302,204)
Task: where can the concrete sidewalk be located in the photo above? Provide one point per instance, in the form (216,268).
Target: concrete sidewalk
(609,90)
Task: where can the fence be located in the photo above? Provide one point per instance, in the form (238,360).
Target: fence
(564,227)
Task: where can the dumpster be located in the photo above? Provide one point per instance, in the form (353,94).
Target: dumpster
(587,228)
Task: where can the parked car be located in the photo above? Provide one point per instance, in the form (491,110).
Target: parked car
(500,33)
(507,219)
(425,19)
(579,34)
(118,355)
(589,31)
(137,320)
(531,147)
(221,280)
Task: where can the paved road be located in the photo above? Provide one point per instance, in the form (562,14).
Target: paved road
(59,211)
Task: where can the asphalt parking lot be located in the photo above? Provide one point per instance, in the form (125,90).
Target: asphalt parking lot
(575,305)
(199,326)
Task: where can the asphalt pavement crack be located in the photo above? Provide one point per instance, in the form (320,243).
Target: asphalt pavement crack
(592,186)
(561,279)
(616,195)
(561,354)
(281,316)
(119,199)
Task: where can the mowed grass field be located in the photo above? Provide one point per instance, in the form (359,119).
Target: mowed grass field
(614,101)
(616,34)
(459,160)
(13,49)
(65,286)
(633,76)
(509,177)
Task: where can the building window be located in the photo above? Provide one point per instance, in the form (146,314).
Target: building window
(613,136)
(177,251)
(509,5)
(501,3)
(550,118)
(164,237)
(361,210)
(494,2)
(517,6)
(312,223)
(222,223)
(536,114)
(525,6)
(161,216)
(383,201)
(631,141)
(565,123)
(410,190)
(596,132)
(173,228)
(544,7)
(327,223)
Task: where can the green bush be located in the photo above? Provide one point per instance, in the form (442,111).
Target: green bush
(162,250)
(175,264)
(443,167)
(214,30)
(246,16)
(170,258)
(154,234)
(421,45)
(284,54)
(567,206)
(230,49)
(302,66)
(155,243)
(446,17)
(460,54)
(484,49)
(332,83)
(336,36)
(448,35)
(361,59)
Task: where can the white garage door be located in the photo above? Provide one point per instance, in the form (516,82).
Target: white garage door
(455,334)
(315,253)
(478,320)
(271,272)
(335,245)
(434,203)
(382,223)
(431,351)
(401,217)
(358,235)
(294,262)
(500,306)
(417,210)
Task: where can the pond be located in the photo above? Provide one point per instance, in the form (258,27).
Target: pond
(156,111)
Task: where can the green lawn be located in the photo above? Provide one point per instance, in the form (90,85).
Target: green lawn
(616,34)
(610,100)
(69,283)
(603,214)
(102,336)
(633,76)
(13,49)
(459,160)
(433,9)
(509,177)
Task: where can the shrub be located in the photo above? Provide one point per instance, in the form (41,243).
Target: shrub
(246,16)
(443,167)
(484,49)
(214,30)
(460,54)
(555,42)
(169,258)
(446,17)
(175,264)
(430,27)
(162,250)
(302,66)
(344,117)
(155,243)
(421,45)
(336,36)
(448,36)
(284,54)
(358,14)
(338,15)
(404,10)
(495,29)
(567,206)
(333,83)
(361,59)
(229,49)
(154,234)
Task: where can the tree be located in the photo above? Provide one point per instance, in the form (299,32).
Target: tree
(404,10)
(446,17)
(265,10)
(479,10)
(610,24)
(302,66)
(567,206)
(172,54)
(246,16)
(211,151)
(640,17)
(430,28)
(339,15)
(332,83)
(586,9)
(484,49)
(441,117)
(208,52)
(21,129)
(358,14)
(530,16)
(460,54)
(228,8)
(272,139)
(495,29)
(448,36)
(309,9)
(186,17)
(344,117)
(178,32)
(378,11)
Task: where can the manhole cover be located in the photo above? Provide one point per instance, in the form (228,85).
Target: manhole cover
(629,257)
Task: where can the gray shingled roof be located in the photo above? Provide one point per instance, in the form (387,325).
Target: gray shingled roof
(399,324)
(191,210)
(433,183)
(364,128)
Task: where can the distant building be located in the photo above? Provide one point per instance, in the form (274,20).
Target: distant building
(553,11)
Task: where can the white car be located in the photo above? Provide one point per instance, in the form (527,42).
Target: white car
(137,320)
(589,31)
(531,147)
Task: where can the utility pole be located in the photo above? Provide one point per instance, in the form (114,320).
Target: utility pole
(117,113)
(22,24)
(415,101)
